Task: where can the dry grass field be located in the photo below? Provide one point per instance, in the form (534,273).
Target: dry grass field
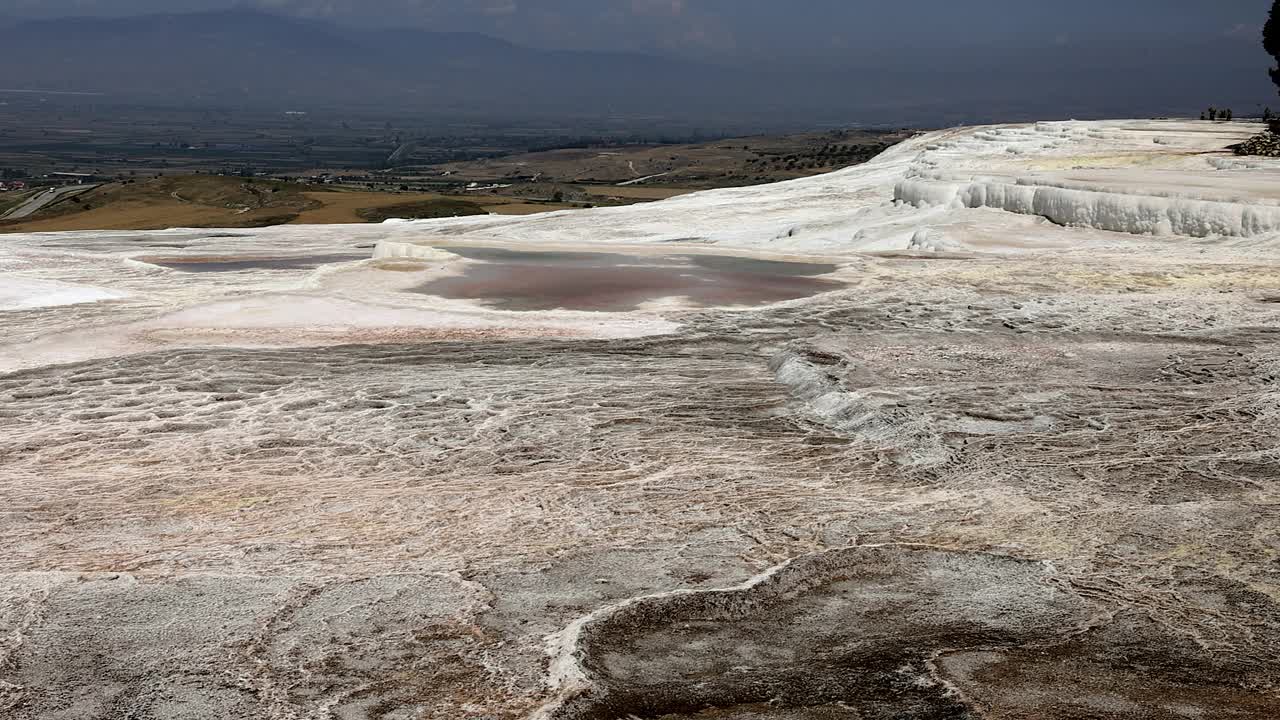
(180,201)
(737,161)
(221,201)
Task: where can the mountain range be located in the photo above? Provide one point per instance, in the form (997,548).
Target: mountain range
(251,58)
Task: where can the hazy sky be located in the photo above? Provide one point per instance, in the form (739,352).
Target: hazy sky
(904,59)
(754,28)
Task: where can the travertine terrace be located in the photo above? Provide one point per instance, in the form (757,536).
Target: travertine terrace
(1004,446)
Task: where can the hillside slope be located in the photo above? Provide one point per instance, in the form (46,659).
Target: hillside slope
(195,201)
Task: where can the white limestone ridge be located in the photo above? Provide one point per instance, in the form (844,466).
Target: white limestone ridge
(1165,178)
(1104,200)
(1006,189)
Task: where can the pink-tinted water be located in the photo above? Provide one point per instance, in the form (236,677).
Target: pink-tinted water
(518,280)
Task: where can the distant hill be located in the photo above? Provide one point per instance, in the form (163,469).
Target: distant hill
(257,58)
(250,58)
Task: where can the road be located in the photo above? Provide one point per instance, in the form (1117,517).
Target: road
(637,181)
(43,199)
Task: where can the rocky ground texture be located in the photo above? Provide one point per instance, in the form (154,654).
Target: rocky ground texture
(1265,144)
(1015,467)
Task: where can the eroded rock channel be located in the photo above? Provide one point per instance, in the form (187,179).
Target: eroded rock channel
(908,632)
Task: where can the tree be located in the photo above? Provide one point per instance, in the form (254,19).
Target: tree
(1271,40)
